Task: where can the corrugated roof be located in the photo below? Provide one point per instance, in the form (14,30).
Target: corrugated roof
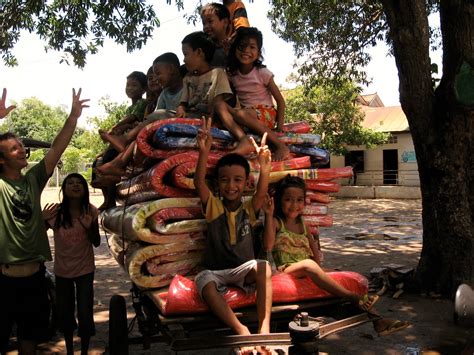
(385,119)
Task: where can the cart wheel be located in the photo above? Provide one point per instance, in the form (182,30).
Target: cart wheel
(118,332)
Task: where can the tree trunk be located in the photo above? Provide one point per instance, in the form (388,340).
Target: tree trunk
(442,126)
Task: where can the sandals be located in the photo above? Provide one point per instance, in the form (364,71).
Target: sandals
(367,302)
(393,325)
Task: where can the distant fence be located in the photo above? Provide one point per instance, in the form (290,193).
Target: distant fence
(385,177)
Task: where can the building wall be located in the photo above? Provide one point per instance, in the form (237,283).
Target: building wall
(373,163)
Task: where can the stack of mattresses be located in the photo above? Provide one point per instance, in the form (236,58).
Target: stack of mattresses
(158,231)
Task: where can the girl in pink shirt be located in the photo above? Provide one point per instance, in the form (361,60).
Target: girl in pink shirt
(255,89)
(76,229)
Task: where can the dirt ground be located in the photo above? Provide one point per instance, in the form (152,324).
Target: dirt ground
(393,235)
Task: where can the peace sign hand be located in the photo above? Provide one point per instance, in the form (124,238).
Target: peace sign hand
(264,154)
(204,137)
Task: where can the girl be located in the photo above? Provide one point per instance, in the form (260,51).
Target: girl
(255,89)
(293,247)
(76,228)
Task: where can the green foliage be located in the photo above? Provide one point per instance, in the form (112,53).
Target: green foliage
(332,113)
(34,119)
(77,28)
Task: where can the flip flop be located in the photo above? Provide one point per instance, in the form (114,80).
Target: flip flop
(367,302)
(394,326)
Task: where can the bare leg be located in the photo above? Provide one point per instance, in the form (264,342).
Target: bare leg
(117,142)
(221,309)
(262,276)
(248,118)
(117,166)
(310,268)
(226,115)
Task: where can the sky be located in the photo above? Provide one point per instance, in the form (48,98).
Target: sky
(39,74)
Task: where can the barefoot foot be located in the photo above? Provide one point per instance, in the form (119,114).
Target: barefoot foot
(282,152)
(245,147)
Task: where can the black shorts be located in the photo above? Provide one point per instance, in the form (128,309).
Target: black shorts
(24,301)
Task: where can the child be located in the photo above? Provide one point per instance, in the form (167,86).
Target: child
(293,247)
(76,230)
(254,87)
(230,253)
(238,13)
(217,25)
(166,68)
(153,91)
(135,88)
(203,86)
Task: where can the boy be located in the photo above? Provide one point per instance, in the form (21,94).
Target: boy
(167,69)
(24,245)
(218,26)
(203,86)
(238,13)
(230,254)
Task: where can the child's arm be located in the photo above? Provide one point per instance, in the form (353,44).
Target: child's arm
(270,227)
(264,157)
(204,142)
(91,225)
(315,248)
(280,101)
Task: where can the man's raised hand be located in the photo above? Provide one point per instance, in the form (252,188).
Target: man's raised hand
(4,111)
(77,104)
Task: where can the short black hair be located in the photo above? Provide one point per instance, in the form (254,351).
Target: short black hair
(232,159)
(220,10)
(243,34)
(200,40)
(140,77)
(168,58)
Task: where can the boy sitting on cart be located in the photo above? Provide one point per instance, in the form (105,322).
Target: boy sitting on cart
(229,254)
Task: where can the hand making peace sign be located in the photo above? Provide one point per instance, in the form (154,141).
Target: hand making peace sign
(264,155)
(204,137)
(4,111)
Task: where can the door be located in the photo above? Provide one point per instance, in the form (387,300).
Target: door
(390,166)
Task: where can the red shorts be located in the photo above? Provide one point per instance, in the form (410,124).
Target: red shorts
(265,114)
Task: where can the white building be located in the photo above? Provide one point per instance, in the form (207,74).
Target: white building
(393,163)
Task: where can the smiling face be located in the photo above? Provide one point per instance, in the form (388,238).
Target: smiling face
(134,89)
(153,82)
(292,202)
(231,180)
(164,73)
(13,155)
(213,26)
(247,52)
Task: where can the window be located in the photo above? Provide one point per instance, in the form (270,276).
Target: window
(392,139)
(355,159)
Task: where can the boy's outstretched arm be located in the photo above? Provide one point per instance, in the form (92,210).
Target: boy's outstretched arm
(264,157)
(65,134)
(204,142)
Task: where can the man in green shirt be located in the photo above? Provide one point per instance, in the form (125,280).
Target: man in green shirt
(23,240)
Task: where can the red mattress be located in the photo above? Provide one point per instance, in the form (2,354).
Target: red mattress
(182,296)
